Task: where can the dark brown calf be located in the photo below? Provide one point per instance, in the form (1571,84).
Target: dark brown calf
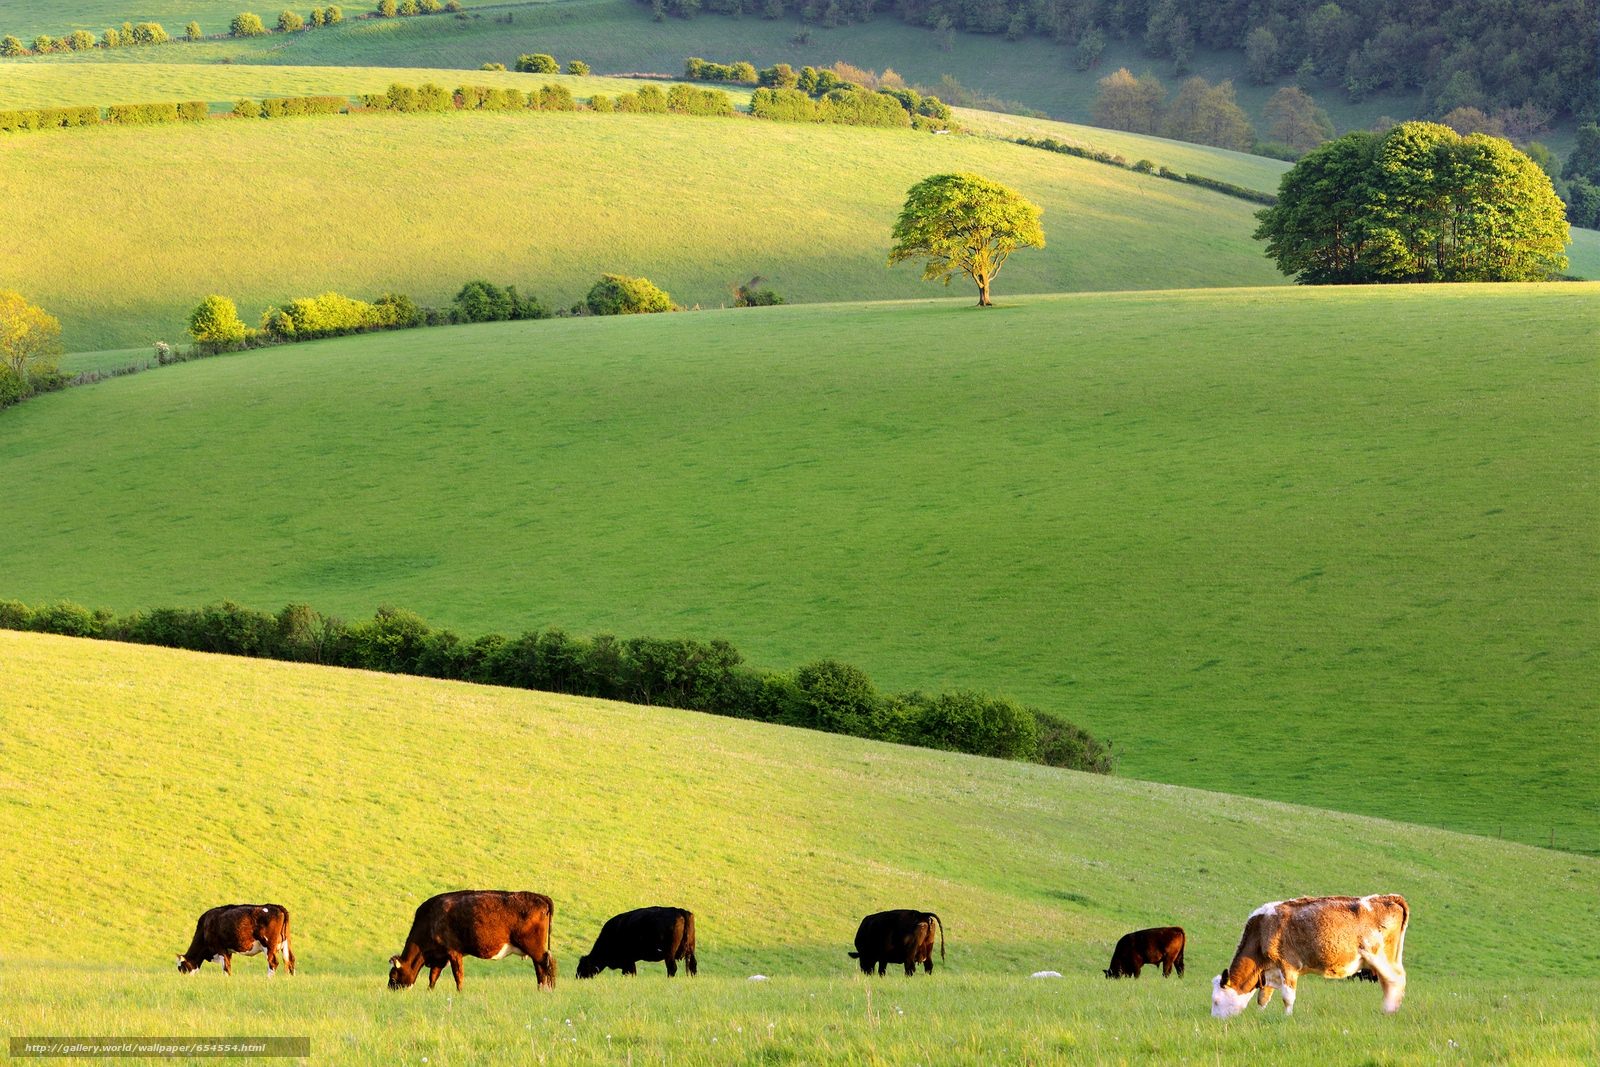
(1158,945)
(490,924)
(902,936)
(249,929)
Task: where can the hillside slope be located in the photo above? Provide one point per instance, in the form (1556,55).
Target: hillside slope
(1219,528)
(266,211)
(350,796)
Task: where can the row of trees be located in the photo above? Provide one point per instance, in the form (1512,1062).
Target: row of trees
(543,63)
(709,676)
(1479,53)
(1419,203)
(49,118)
(390,9)
(1208,114)
(129,36)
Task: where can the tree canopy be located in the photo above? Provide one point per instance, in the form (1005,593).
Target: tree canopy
(1419,203)
(30,337)
(964,224)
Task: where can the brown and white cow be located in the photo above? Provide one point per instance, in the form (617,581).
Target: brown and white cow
(1332,936)
(249,929)
(490,924)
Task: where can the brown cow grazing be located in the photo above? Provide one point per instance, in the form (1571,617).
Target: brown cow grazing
(1332,936)
(1158,945)
(650,934)
(900,936)
(249,929)
(490,924)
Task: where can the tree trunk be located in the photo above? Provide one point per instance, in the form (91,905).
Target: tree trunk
(983,293)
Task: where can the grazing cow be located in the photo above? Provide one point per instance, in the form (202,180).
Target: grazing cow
(249,929)
(644,934)
(490,924)
(900,936)
(1332,936)
(1158,945)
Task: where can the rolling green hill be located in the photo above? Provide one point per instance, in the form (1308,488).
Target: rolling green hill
(156,783)
(1318,545)
(144,222)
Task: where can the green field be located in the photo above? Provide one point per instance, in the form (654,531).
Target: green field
(156,783)
(619,35)
(1217,527)
(268,211)
(28,18)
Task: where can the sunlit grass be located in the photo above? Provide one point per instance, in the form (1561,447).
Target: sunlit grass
(1332,546)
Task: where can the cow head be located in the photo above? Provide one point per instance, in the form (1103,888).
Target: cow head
(186,965)
(1225,1002)
(588,967)
(399,976)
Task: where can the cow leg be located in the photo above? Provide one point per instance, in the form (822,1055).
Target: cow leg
(433,976)
(911,968)
(1393,977)
(1263,994)
(272,961)
(694,967)
(883,968)
(631,969)
(1286,987)
(1166,966)
(544,965)
(672,967)
(455,969)
(227,964)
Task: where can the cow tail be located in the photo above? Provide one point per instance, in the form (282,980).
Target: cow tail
(941,935)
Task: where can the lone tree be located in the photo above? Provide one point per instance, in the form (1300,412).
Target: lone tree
(215,323)
(30,337)
(1419,203)
(964,224)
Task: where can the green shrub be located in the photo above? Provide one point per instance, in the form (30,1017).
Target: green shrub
(111,39)
(780,76)
(68,619)
(689,100)
(192,32)
(375,101)
(14,614)
(215,323)
(148,33)
(142,114)
(1061,744)
(13,388)
(328,315)
(751,295)
(481,301)
(538,63)
(493,66)
(318,17)
(555,98)
(647,99)
(290,22)
(1144,166)
(80,41)
(396,311)
(602,103)
(972,722)
(578,67)
(335,14)
(430,7)
(453,5)
(193,111)
(246,109)
(838,698)
(409,7)
(247,24)
(12,46)
(388,9)
(618,294)
(744,72)
(44,44)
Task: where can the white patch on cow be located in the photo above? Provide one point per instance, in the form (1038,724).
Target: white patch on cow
(218,958)
(758,978)
(507,949)
(256,949)
(1045,974)
(1266,909)
(1225,1003)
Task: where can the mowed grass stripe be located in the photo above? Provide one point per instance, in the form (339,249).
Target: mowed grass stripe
(351,796)
(1334,546)
(267,211)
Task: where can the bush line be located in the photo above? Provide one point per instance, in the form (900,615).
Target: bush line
(708,676)
(1144,166)
(812,95)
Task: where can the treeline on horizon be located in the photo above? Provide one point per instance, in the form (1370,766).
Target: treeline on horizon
(708,676)
(1457,53)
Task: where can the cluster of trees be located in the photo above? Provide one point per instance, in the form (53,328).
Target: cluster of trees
(1145,166)
(1580,178)
(542,63)
(841,93)
(431,97)
(335,315)
(391,9)
(249,24)
(619,294)
(51,118)
(709,676)
(852,107)
(130,35)
(1481,53)
(1200,112)
(30,344)
(679,99)
(1418,203)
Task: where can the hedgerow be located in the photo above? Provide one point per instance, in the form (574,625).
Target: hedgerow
(1145,166)
(708,676)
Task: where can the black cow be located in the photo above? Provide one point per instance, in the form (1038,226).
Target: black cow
(649,934)
(1161,945)
(900,936)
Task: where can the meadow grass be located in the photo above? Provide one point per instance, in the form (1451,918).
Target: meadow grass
(1329,545)
(28,18)
(620,36)
(265,211)
(155,783)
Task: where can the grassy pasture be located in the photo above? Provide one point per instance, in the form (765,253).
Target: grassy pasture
(28,18)
(619,35)
(354,795)
(422,203)
(1332,546)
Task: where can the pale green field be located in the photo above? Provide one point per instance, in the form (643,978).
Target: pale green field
(27,85)
(28,18)
(150,784)
(272,210)
(1214,527)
